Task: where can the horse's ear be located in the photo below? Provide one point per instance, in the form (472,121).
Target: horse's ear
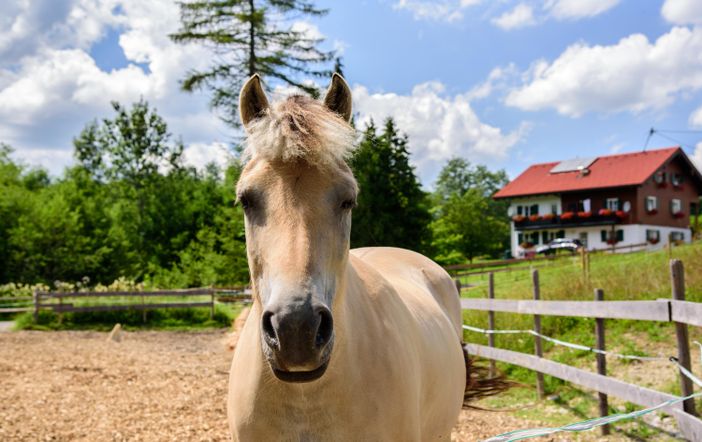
(252,100)
(338,97)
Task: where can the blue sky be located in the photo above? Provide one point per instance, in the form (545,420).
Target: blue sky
(504,83)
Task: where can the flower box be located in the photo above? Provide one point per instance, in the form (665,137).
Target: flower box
(605,212)
(662,185)
(584,214)
(612,241)
(518,218)
(534,217)
(621,214)
(526,245)
(652,212)
(549,216)
(567,215)
(654,241)
(679,215)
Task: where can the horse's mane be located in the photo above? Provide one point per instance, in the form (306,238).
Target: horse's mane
(300,128)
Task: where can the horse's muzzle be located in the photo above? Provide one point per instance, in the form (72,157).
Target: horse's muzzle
(297,340)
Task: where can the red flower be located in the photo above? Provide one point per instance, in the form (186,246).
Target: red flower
(584,214)
(679,215)
(567,215)
(652,211)
(605,212)
(518,218)
(612,241)
(534,217)
(621,214)
(549,216)
(653,240)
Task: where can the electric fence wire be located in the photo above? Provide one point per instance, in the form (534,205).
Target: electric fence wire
(597,422)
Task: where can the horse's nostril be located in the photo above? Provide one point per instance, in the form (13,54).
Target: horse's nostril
(268,330)
(325,329)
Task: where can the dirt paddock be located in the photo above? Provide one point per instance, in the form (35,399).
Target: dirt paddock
(151,386)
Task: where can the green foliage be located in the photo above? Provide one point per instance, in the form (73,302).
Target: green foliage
(129,209)
(168,319)
(468,223)
(392,208)
(249,37)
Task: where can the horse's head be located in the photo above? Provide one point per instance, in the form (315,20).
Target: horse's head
(297,193)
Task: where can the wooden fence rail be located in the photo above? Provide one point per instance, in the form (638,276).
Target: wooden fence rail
(676,310)
(40,299)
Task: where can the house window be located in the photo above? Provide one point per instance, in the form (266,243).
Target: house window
(554,209)
(534,209)
(545,237)
(675,206)
(609,236)
(677,236)
(535,238)
(653,236)
(659,177)
(520,238)
(676,179)
(612,204)
(560,234)
(651,203)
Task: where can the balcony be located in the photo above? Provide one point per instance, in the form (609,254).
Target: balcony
(569,219)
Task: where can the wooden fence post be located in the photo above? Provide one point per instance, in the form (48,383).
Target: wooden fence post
(491,321)
(35,296)
(538,350)
(677,276)
(601,360)
(143,308)
(212,300)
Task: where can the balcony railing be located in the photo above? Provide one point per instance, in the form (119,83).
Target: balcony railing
(568,219)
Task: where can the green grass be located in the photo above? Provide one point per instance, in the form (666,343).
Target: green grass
(634,276)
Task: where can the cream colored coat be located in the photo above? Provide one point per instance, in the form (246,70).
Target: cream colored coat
(397,372)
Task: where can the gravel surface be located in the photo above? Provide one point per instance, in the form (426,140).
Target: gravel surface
(150,386)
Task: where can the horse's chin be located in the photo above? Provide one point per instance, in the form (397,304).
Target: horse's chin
(300,376)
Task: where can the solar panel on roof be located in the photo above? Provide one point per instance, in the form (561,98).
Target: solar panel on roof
(573,165)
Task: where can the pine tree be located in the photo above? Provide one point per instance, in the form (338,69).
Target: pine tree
(392,208)
(250,37)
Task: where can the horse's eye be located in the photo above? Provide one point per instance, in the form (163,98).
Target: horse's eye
(348,204)
(245,202)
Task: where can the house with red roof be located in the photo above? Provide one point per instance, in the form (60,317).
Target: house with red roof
(614,200)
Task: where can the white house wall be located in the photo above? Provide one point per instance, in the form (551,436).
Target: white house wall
(633,234)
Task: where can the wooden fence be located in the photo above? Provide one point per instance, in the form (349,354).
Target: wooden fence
(675,310)
(57,301)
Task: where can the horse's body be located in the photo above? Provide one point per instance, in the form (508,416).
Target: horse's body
(339,345)
(397,372)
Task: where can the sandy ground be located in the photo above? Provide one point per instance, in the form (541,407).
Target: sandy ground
(151,386)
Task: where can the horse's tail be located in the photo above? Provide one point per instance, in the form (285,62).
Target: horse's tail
(480,382)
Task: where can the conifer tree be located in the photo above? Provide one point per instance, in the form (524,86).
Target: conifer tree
(251,37)
(392,208)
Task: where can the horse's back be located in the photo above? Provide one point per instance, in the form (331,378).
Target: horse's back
(401,267)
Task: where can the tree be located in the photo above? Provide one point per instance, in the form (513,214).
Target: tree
(468,222)
(250,37)
(465,229)
(392,208)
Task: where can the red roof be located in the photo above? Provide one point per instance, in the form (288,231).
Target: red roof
(628,169)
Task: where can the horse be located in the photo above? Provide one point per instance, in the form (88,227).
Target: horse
(340,344)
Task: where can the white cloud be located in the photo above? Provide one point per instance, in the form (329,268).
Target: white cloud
(697,156)
(50,86)
(438,127)
(438,10)
(633,75)
(682,12)
(577,9)
(696,117)
(200,155)
(497,79)
(521,16)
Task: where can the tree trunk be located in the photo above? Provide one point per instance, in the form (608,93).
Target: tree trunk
(252,52)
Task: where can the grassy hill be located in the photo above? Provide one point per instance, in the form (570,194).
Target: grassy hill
(634,276)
